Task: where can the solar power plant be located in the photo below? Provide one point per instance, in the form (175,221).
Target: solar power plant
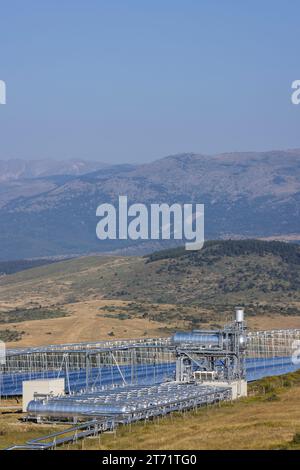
(141,361)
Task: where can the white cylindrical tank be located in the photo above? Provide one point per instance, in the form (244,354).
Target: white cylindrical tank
(239,314)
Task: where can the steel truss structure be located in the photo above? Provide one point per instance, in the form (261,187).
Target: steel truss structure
(128,403)
(122,406)
(88,365)
(143,361)
(272,352)
(272,343)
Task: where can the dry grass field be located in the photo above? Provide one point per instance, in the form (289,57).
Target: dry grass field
(14,431)
(94,320)
(86,322)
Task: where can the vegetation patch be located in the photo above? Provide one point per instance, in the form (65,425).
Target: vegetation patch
(10,335)
(20,314)
(11,267)
(117,316)
(215,249)
(271,387)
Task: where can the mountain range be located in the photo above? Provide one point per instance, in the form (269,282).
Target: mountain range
(49,208)
(17,169)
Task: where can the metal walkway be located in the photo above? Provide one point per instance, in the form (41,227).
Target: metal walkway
(67,436)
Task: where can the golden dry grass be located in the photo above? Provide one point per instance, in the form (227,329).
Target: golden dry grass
(273,322)
(89,322)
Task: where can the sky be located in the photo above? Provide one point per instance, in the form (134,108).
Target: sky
(132,81)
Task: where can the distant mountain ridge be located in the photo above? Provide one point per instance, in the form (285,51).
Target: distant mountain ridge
(246,195)
(17,169)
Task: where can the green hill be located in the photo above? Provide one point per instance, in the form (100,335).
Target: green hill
(262,276)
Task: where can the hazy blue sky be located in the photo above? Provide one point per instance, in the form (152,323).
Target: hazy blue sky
(137,80)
